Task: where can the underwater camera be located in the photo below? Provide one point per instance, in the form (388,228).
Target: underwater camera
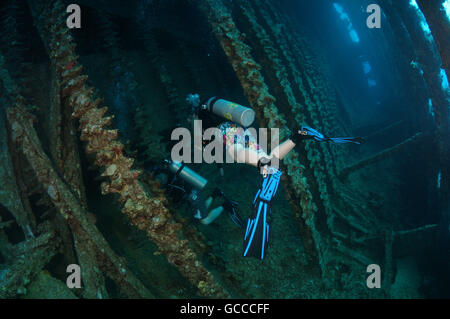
(234,112)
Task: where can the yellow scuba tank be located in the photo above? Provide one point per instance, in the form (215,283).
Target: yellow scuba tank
(231,111)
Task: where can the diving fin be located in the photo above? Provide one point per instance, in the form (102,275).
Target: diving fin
(231,207)
(256,237)
(319,137)
(344,140)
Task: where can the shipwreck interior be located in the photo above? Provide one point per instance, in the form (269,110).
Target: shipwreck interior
(86,116)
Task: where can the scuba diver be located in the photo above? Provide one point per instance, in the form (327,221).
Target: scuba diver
(188,185)
(242,146)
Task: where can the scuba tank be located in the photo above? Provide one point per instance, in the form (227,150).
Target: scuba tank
(231,111)
(239,114)
(188,175)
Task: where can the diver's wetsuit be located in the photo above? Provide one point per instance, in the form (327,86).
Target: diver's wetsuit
(208,119)
(179,191)
(201,212)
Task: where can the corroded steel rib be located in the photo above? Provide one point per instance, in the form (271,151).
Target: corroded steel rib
(383,154)
(276,70)
(308,193)
(31,258)
(430,62)
(146,212)
(440,27)
(11,196)
(257,92)
(23,133)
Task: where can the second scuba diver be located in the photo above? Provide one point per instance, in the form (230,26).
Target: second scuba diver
(188,185)
(242,146)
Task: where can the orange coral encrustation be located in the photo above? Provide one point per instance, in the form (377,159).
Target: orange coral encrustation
(147,213)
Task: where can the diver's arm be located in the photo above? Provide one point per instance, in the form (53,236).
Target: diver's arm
(244,155)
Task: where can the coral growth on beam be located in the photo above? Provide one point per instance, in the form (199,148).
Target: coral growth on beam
(308,184)
(383,154)
(274,66)
(24,135)
(145,211)
(257,92)
(29,258)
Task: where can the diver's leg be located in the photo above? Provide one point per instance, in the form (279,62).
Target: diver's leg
(283,149)
(213,214)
